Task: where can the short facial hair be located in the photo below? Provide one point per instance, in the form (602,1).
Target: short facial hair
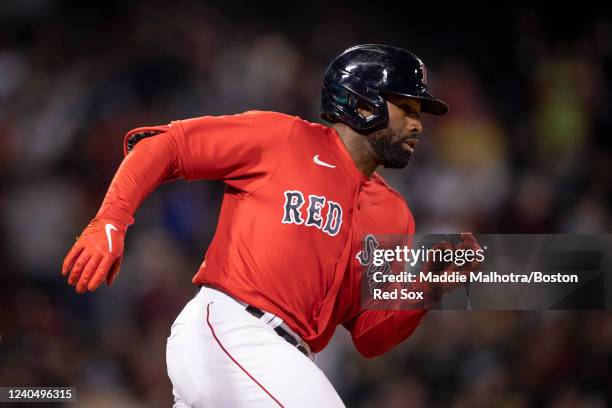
(388,148)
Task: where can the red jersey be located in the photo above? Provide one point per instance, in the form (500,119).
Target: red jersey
(294,214)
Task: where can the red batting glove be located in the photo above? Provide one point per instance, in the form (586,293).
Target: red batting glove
(435,291)
(96,255)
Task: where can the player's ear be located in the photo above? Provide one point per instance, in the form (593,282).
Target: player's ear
(364,112)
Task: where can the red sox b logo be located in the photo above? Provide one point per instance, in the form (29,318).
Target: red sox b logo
(313,216)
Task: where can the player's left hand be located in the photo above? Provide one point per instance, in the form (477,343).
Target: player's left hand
(96,255)
(436,291)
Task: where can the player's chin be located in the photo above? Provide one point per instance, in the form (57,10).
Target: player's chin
(397,161)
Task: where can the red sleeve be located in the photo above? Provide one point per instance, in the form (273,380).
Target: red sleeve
(374,332)
(153,161)
(242,150)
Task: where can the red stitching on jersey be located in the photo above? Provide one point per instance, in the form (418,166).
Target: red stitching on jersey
(233,359)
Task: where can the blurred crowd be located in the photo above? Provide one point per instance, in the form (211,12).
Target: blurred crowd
(526,148)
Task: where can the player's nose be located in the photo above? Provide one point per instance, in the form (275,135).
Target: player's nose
(413,124)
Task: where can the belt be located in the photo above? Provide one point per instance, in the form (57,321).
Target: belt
(274,322)
(258,313)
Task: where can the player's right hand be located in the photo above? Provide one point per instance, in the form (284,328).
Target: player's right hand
(97,255)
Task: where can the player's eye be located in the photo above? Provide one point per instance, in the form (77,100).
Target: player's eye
(408,109)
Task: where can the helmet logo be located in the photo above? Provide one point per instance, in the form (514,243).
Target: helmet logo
(423,72)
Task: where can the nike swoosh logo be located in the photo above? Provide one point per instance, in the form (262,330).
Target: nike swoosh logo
(109,238)
(322,163)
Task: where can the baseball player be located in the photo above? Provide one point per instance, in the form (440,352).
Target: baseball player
(281,272)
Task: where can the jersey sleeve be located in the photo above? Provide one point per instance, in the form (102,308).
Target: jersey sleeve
(152,162)
(242,150)
(376,331)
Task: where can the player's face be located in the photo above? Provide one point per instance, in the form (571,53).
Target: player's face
(396,143)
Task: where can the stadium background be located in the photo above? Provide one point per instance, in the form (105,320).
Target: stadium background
(524,149)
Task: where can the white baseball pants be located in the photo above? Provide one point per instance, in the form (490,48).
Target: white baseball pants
(219,355)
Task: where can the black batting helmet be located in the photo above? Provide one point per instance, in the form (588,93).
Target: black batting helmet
(361,77)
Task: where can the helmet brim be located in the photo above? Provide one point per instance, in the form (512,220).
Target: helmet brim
(435,106)
(429,103)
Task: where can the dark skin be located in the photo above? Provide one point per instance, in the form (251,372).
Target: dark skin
(403,131)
